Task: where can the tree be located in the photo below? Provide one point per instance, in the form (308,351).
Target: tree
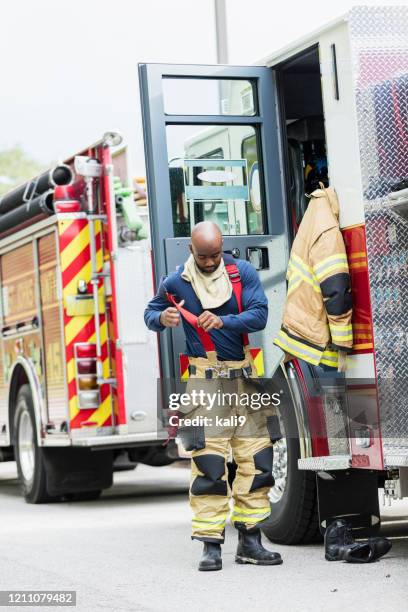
(16,167)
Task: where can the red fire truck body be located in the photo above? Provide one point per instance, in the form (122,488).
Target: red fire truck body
(73,357)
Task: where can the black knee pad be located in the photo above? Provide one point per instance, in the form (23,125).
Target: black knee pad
(213,468)
(263,461)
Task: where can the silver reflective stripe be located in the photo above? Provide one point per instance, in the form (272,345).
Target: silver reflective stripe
(294,282)
(287,341)
(338,332)
(306,275)
(207,522)
(320,268)
(301,269)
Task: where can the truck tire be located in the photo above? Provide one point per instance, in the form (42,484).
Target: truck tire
(29,456)
(83,496)
(294,510)
(88,495)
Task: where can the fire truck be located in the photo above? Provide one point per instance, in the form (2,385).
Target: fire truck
(77,378)
(240,146)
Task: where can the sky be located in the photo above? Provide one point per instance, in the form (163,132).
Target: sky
(69,70)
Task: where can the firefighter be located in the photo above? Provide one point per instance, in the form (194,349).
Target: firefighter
(219,300)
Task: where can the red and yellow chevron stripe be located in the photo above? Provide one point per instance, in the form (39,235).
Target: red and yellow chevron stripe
(75,257)
(257,356)
(183,361)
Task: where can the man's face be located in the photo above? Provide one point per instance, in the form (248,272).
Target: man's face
(207,256)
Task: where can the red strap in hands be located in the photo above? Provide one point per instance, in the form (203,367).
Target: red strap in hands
(191,318)
(205,337)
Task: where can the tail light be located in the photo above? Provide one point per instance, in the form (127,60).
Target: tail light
(86,379)
(89,399)
(85,350)
(87,382)
(86,366)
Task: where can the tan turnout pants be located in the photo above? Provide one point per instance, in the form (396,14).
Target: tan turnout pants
(231,424)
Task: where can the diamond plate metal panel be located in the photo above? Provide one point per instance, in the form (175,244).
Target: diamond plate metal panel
(335,411)
(334,462)
(379,50)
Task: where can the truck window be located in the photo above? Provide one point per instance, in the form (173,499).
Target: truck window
(215,211)
(214,176)
(207,96)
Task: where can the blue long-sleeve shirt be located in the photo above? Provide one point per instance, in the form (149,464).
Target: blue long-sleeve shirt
(228,339)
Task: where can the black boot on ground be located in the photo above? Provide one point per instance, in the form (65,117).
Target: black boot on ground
(337,539)
(250,550)
(340,545)
(211,557)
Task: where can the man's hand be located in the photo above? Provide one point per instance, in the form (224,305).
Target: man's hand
(173,425)
(171,316)
(208,320)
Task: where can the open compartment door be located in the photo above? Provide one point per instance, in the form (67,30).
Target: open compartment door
(212,152)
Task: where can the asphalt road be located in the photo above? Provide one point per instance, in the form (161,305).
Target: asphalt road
(131,550)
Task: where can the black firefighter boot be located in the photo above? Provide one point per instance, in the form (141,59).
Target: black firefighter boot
(211,557)
(337,539)
(340,545)
(250,549)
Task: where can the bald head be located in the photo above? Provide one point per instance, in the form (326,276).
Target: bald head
(206,232)
(206,246)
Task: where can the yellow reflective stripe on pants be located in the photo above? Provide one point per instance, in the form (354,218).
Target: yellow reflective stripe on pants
(209,526)
(298,349)
(215,520)
(250,515)
(246,518)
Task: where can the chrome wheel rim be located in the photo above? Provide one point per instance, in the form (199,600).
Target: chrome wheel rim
(280,468)
(26,449)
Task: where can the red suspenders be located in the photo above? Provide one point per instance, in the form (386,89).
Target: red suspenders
(235,279)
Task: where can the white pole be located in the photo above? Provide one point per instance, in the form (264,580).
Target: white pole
(221,33)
